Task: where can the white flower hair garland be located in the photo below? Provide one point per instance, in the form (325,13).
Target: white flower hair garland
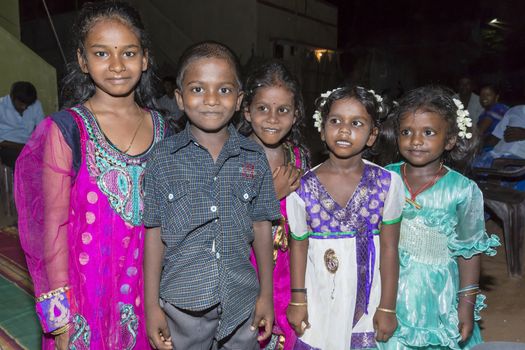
(463,120)
(318,119)
(378,98)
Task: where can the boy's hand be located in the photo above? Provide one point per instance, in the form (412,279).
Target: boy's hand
(157,328)
(466,319)
(384,324)
(298,318)
(286,180)
(263,317)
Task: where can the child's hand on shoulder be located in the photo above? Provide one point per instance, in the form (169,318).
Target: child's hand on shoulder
(466,319)
(263,317)
(286,179)
(385,323)
(157,328)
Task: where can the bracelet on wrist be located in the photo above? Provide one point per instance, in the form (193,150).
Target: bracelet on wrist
(299,290)
(388,311)
(61,330)
(297,304)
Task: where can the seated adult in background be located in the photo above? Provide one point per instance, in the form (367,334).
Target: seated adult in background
(469,98)
(167,104)
(509,140)
(20,113)
(494,111)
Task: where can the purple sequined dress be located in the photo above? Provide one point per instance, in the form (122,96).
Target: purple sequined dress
(342,272)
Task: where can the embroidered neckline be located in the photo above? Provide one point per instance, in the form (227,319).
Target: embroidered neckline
(95,133)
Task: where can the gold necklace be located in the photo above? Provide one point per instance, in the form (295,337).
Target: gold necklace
(134,134)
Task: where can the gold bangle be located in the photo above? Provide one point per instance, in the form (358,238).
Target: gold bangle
(297,304)
(469,294)
(61,330)
(389,311)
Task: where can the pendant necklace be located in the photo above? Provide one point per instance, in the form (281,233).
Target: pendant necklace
(134,134)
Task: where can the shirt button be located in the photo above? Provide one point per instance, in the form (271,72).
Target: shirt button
(218,255)
(213,208)
(246,196)
(170,196)
(215,220)
(215,178)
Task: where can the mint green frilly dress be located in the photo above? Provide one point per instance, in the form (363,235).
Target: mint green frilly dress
(449,224)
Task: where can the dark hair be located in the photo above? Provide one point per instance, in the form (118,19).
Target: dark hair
(207,49)
(24,92)
(78,86)
(439,100)
(274,73)
(170,79)
(374,106)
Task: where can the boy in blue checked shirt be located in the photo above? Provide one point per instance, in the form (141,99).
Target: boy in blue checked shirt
(209,197)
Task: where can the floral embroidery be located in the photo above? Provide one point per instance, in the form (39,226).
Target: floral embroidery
(118,175)
(129,325)
(81,337)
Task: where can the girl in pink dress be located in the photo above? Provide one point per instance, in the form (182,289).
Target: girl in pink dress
(79,189)
(273,114)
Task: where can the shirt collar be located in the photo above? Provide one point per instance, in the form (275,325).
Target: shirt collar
(233,145)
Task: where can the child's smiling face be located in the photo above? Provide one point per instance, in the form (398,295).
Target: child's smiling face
(271,114)
(210,94)
(423,137)
(113,57)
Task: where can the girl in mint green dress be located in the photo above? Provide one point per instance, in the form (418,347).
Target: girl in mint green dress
(442,232)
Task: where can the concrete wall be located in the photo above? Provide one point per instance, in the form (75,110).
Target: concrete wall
(18,62)
(9,17)
(177,24)
(307,22)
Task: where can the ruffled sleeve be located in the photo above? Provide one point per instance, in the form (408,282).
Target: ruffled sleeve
(43,179)
(471,237)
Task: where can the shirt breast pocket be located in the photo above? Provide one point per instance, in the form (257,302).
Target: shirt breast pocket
(244,196)
(177,206)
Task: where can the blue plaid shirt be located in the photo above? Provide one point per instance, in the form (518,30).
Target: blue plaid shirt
(206,212)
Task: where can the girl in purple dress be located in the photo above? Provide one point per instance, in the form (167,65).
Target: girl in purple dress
(344,222)
(79,188)
(273,115)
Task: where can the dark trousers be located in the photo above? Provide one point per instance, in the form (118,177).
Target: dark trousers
(196,331)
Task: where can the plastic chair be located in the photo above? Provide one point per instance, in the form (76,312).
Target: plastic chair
(508,205)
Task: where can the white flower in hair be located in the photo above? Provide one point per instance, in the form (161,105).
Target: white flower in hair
(463,121)
(318,120)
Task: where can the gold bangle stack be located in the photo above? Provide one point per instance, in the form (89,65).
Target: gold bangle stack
(52,293)
(389,311)
(61,330)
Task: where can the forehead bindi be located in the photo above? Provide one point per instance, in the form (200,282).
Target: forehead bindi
(275,95)
(112,33)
